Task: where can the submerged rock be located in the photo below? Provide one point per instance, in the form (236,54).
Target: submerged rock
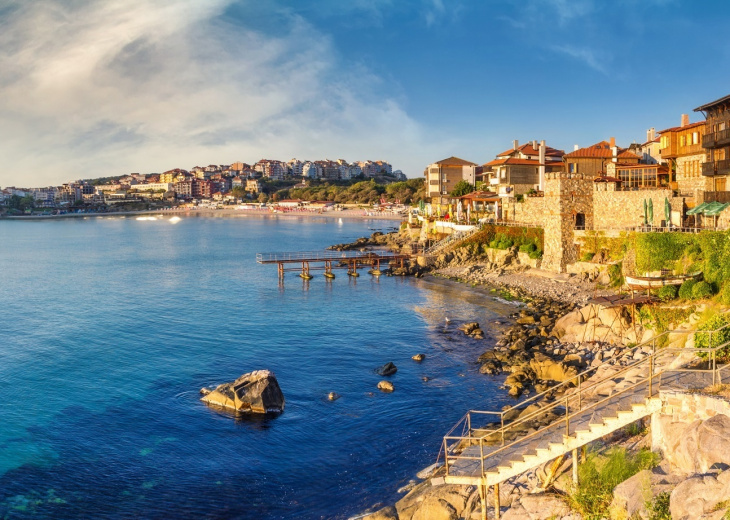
(387,370)
(333,396)
(255,392)
(418,357)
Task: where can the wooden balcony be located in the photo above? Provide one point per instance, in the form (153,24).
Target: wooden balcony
(716,139)
(710,169)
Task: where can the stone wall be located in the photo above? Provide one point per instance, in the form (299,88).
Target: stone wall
(690,180)
(622,209)
(532,210)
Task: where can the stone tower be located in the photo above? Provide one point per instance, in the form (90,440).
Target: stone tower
(569,207)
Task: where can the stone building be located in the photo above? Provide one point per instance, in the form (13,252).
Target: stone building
(593,160)
(522,169)
(442,176)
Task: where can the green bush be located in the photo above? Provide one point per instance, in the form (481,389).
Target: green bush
(536,254)
(655,251)
(725,294)
(668,292)
(701,290)
(714,339)
(528,248)
(587,256)
(685,291)
(596,481)
(615,275)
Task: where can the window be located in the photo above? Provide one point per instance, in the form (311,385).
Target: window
(695,137)
(572,168)
(681,140)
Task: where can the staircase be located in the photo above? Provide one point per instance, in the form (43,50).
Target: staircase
(597,402)
(453,238)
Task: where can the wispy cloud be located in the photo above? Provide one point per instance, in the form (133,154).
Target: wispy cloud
(100,87)
(585,55)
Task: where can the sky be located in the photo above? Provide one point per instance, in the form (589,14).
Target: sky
(95,88)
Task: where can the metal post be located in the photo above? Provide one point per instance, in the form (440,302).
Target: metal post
(446,456)
(483,498)
(651,372)
(501,420)
(468,423)
(496,501)
(567,416)
(481,453)
(714,366)
(574,454)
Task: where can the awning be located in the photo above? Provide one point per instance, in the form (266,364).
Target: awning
(698,209)
(716,209)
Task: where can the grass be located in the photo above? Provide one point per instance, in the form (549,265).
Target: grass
(658,508)
(597,477)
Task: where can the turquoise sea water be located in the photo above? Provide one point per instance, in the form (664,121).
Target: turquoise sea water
(110,326)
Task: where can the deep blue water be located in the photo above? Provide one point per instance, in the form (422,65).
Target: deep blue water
(110,327)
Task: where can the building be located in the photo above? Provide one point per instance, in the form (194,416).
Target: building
(442,176)
(171,175)
(295,167)
(154,186)
(681,147)
(634,176)
(716,142)
(522,168)
(274,170)
(253,186)
(593,160)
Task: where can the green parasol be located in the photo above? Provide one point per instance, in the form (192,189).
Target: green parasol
(651,212)
(667,212)
(646,213)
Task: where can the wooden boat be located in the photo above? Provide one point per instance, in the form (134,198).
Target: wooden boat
(641,283)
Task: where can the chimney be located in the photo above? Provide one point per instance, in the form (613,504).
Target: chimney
(515,144)
(612,142)
(576,148)
(541,168)
(614,152)
(534,144)
(685,120)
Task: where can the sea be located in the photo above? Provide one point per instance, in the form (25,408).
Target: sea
(111,325)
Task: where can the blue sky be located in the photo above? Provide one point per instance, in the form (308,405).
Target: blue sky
(94,88)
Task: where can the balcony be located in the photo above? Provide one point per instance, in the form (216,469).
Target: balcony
(710,169)
(716,139)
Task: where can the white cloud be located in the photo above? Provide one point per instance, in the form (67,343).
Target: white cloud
(105,87)
(584,54)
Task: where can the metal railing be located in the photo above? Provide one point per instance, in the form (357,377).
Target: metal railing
(314,256)
(463,235)
(509,427)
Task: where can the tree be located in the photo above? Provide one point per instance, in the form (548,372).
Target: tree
(462,188)
(239,192)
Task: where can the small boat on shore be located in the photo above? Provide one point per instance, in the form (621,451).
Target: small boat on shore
(641,283)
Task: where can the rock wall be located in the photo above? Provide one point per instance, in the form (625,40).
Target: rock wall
(532,210)
(623,209)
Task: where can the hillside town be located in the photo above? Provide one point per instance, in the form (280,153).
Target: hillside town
(202,185)
(604,187)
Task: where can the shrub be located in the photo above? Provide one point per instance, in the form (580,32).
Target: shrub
(658,508)
(528,248)
(615,275)
(596,482)
(587,256)
(668,292)
(537,253)
(715,339)
(685,291)
(701,290)
(725,294)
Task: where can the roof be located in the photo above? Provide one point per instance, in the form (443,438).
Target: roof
(606,178)
(513,160)
(711,104)
(601,150)
(685,127)
(480,195)
(528,149)
(455,161)
(709,209)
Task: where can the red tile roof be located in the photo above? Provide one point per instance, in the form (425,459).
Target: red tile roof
(513,160)
(601,150)
(685,127)
(528,149)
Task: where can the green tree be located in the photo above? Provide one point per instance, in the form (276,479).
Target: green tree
(239,192)
(462,188)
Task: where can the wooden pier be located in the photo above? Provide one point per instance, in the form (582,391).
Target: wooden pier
(328,260)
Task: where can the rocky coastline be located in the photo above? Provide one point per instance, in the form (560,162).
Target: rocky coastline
(555,337)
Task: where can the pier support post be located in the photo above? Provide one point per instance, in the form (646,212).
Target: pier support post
(575,466)
(496,501)
(483,498)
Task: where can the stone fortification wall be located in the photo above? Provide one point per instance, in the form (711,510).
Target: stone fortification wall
(622,209)
(532,210)
(568,196)
(689,177)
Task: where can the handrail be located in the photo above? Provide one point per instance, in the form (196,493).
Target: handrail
(298,256)
(577,393)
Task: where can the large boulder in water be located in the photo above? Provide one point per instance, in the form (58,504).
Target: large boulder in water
(255,392)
